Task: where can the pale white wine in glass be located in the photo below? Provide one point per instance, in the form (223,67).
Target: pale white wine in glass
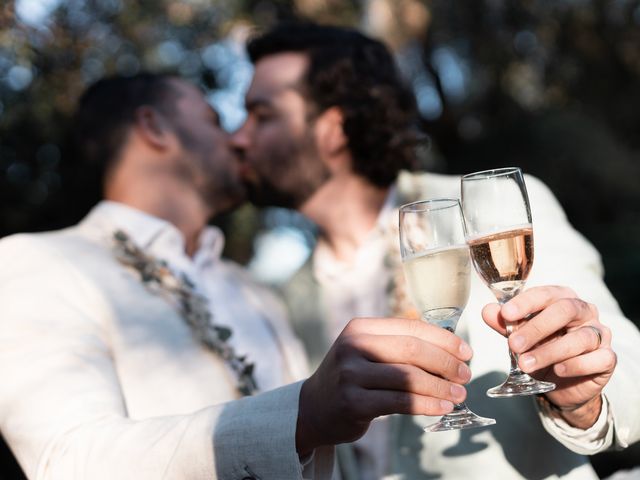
(437,268)
(439,284)
(500,238)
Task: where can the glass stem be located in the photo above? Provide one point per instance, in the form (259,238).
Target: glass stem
(457,407)
(511,327)
(514,369)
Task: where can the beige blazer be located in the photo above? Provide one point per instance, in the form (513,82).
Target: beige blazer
(102,380)
(525,443)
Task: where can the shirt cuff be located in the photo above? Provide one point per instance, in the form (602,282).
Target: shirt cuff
(319,464)
(307,459)
(593,440)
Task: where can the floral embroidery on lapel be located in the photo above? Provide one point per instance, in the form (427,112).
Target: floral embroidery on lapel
(157,277)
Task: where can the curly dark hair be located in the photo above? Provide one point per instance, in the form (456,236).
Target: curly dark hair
(357,74)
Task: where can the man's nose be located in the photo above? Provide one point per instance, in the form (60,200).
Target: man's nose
(240,138)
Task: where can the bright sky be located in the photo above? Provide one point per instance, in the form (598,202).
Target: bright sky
(35,12)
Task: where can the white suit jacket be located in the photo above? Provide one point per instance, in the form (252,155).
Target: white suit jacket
(525,443)
(102,380)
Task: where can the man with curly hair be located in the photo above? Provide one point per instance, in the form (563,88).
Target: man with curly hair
(330,131)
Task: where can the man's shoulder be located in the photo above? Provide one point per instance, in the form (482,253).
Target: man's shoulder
(44,243)
(67,249)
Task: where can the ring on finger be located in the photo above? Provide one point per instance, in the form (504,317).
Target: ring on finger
(598,333)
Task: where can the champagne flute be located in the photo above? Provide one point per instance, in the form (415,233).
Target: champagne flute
(437,268)
(500,237)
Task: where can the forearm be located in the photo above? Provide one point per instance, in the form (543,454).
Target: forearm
(120,448)
(251,436)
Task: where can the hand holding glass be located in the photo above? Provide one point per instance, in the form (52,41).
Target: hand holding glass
(500,237)
(437,269)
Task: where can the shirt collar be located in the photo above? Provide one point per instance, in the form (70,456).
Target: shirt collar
(154,234)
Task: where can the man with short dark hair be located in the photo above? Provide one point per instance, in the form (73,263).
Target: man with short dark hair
(330,128)
(130,349)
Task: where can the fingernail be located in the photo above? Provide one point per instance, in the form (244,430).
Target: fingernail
(446,405)
(465,350)
(464,372)
(509,310)
(527,361)
(517,342)
(457,391)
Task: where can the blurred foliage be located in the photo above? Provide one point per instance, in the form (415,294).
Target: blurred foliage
(552,86)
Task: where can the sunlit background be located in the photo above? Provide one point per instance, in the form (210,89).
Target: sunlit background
(552,86)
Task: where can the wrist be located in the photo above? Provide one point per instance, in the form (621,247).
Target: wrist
(305,430)
(581,416)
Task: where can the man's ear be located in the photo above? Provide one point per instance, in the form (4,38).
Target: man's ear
(330,137)
(152,128)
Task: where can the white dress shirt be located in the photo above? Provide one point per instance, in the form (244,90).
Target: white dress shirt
(252,334)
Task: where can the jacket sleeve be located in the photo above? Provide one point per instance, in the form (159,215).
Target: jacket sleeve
(564,257)
(64,415)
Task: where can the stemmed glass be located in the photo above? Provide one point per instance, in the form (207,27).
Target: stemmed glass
(500,237)
(437,268)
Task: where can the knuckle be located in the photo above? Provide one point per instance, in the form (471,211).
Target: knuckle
(593,310)
(418,405)
(353,404)
(549,292)
(582,307)
(442,389)
(354,325)
(536,328)
(414,327)
(432,406)
(568,307)
(403,401)
(588,337)
(347,375)
(426,406)
(411,347)
(450,367)
(344,349)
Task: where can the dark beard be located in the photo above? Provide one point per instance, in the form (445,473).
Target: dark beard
(292,180)
(263,195)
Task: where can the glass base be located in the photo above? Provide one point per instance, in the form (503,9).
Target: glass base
(458,421)
(520,384)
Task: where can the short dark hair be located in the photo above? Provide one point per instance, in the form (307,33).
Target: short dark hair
(357,74)
(107,109)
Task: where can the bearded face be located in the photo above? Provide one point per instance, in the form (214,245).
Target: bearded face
(279,159)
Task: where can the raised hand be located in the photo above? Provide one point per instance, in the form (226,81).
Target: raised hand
(564,343)
(380,366)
